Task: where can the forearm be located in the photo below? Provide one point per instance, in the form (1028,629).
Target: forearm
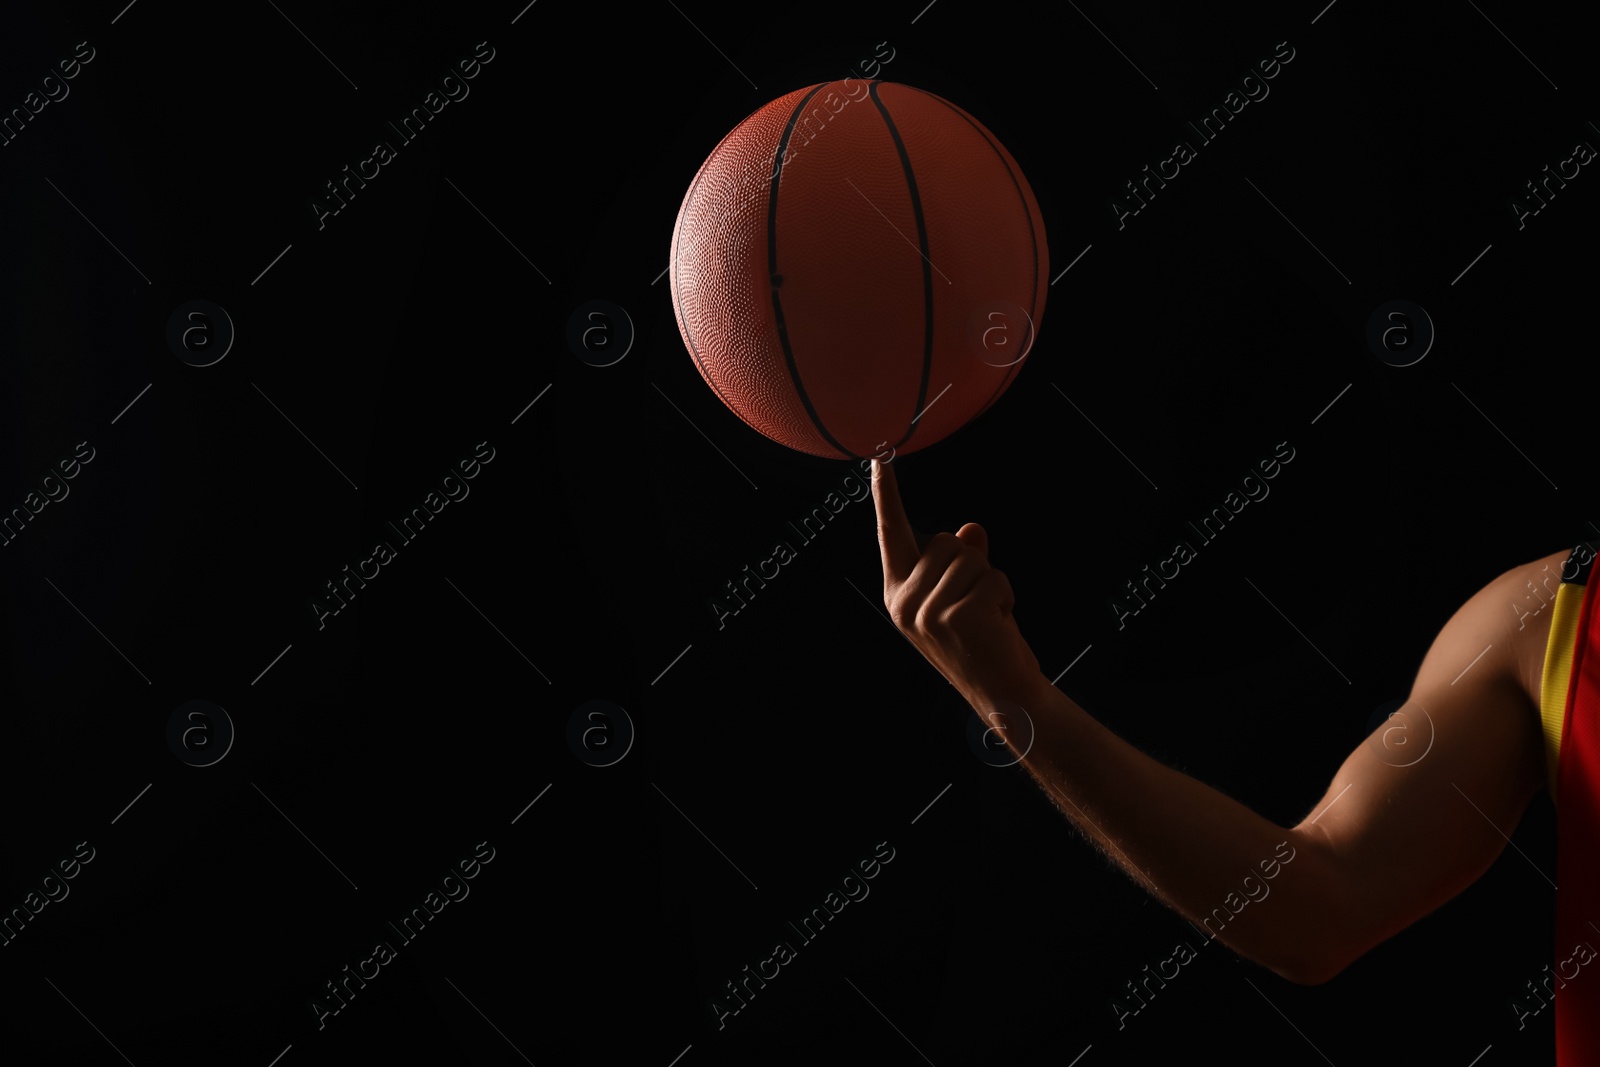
(1261,889)
(1420,824)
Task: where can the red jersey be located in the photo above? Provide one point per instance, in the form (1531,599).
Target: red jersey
(1570,713)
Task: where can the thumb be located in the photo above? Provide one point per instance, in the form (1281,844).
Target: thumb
(976,536)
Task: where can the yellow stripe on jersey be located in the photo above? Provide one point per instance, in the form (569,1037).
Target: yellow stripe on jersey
(1558,674)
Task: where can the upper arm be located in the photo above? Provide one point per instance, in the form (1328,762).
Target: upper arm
(1427,802)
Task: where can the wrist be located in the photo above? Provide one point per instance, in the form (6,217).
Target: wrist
(1031,691)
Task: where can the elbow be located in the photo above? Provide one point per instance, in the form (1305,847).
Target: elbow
(1297,957)
(1310,971)
(1325,929)
(1315,925)
(1313,960)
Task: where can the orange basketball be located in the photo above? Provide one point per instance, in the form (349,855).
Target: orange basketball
(859,265)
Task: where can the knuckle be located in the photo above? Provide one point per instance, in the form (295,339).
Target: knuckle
(895,604)
(963,609)
(963,612)
(903,611)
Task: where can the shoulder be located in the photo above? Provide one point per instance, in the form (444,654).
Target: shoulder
(1519,606)
(1508,640)
(1487,661)
(1548,639)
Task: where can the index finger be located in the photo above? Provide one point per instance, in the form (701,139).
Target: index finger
(895,537)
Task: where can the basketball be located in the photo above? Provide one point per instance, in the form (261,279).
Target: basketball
(859,266)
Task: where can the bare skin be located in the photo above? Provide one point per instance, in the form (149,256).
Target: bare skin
(1394,836)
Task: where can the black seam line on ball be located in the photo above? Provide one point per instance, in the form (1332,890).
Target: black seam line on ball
(1033,240)
(677,273)
(772,272)
(927,266)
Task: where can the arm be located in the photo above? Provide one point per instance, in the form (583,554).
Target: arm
(1393,837)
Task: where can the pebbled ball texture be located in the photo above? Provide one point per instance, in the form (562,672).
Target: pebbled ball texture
(897,268)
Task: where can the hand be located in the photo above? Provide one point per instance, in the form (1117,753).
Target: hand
(953,606)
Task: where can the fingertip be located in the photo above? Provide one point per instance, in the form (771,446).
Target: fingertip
(975,535)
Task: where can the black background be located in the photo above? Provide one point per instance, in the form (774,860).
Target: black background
(774,753)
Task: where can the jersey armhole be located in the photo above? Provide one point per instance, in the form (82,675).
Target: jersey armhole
(1556,677)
